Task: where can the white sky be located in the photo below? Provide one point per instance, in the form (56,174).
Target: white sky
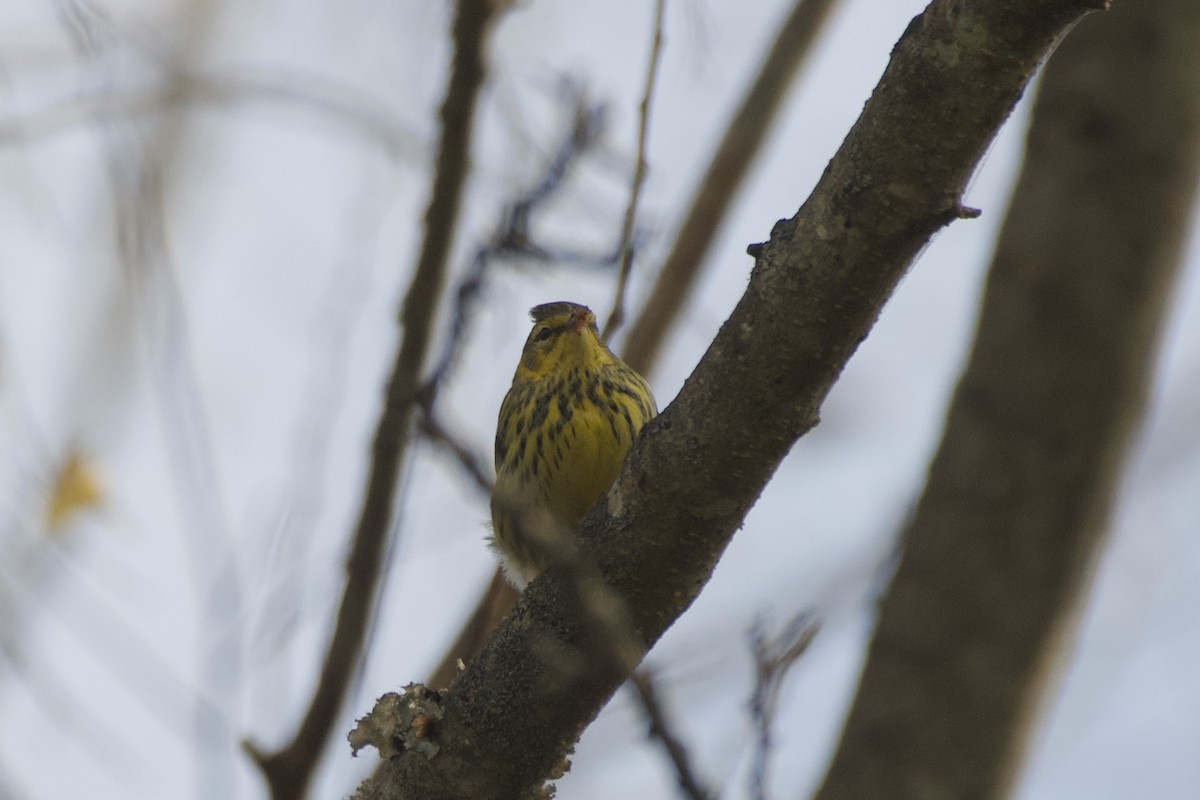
(230,407)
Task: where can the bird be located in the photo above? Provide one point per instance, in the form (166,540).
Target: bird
(565,427)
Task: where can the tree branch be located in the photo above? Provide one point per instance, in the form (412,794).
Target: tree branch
(468,461)
(742,142)
(999,550)
(617,317)
(335,102)
(289,770)
(509,719)
(774,657)
(660,728)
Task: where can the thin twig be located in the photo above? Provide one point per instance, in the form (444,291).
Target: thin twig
(89,24)
(471,464)
(333,100)
(639,174)
(661,729)
(727,169)
(289,770)
(773,658)
(511,239)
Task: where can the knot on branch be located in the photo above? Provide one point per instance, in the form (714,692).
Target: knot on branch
(783,230)
(400,722)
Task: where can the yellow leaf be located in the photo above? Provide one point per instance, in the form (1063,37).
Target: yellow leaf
(77,488)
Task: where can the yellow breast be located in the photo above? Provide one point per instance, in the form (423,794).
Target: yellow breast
(565,426)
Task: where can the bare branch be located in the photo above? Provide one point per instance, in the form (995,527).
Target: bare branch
(697,468)
(289,770)
(184,88)
(661,729)
(617,317)
(999,551)
(511,239)
(470,462)
(773,659)
(730,163)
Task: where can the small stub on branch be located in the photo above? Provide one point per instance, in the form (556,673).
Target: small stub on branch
(400,722)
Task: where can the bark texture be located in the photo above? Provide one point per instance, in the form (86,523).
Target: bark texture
(816,288)
(1018,496)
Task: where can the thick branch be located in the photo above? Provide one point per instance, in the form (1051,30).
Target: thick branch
(289,770)
(1018,497)
(816,288)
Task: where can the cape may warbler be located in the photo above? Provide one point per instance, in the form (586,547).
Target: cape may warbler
(565,427)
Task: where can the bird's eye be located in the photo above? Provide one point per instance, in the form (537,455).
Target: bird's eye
(543,334)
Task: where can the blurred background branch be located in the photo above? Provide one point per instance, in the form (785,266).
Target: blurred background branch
(999,553)
(774,657)
(289,770)
(744,137)
(661,729)
(617,316)
(327,100)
